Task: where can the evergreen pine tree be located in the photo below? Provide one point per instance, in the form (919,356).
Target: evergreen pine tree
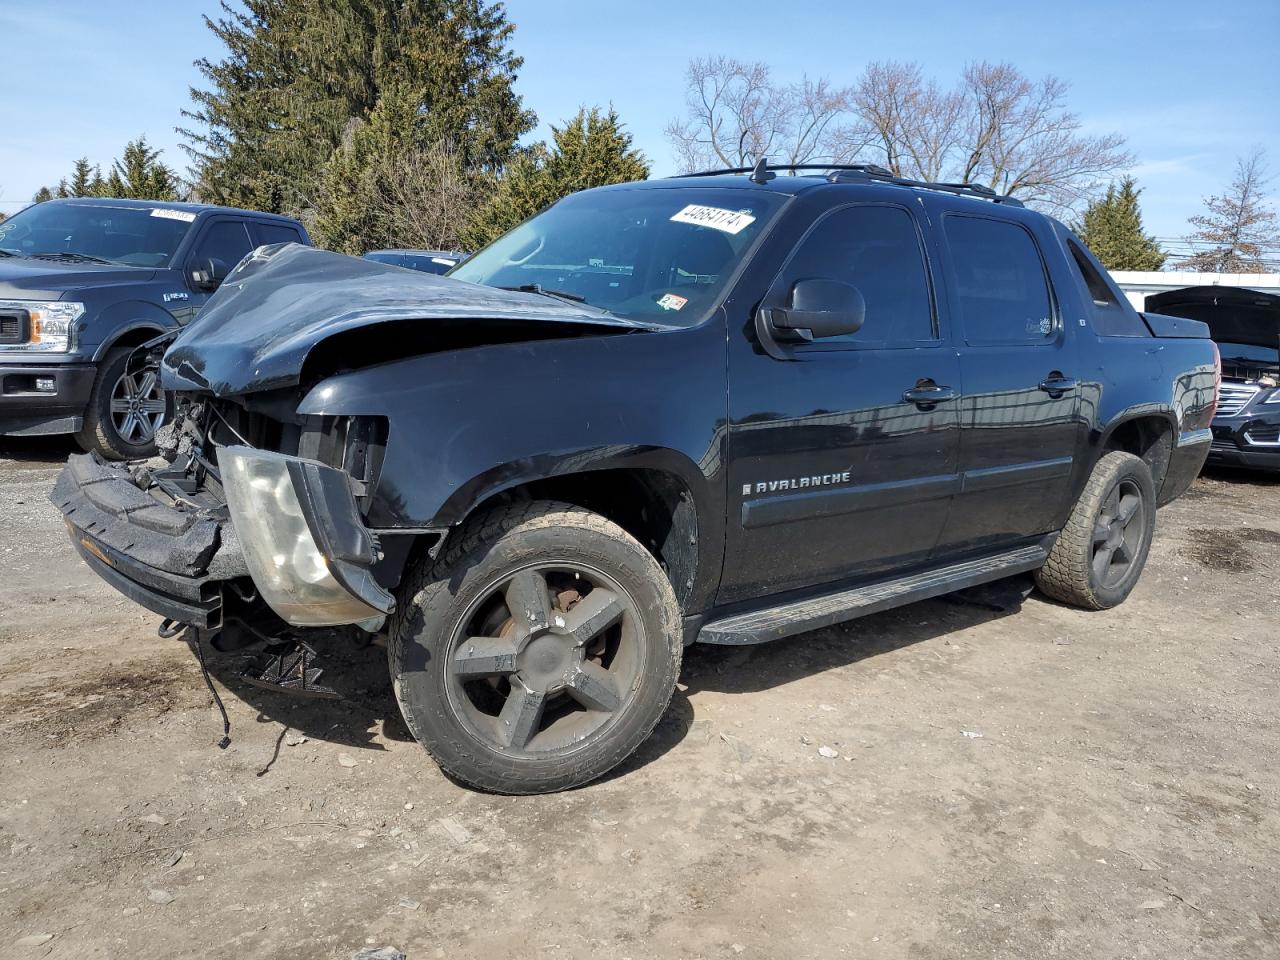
(1112,229)
(301,75)
(591,150)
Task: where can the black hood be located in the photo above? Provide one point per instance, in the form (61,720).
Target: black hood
(31,278)
(1234,314)
(281,303)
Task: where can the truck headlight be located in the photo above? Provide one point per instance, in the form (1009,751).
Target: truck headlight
(303,543)
(48,324)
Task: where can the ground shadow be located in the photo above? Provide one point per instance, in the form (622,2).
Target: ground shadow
(38,451)
(1241,475)
(367,708)
(765,666)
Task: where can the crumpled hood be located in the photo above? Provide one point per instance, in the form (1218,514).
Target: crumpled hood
(255,333)
(24,278)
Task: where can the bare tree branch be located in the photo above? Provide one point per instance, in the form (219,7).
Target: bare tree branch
(996,127)
(1238,224)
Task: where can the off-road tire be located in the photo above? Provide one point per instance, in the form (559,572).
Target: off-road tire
(1069,575)
(99,432)
(436,595)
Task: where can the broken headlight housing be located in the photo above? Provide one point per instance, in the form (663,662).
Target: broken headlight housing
(303,542)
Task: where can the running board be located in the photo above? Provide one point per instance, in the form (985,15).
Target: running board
(772,623)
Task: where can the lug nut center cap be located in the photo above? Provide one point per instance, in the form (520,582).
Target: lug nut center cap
(545,661)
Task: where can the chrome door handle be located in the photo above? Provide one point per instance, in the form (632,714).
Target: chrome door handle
(926,397)
(1055,386)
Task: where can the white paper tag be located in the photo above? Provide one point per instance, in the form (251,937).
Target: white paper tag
(728,221)
(182,215)
(444,261)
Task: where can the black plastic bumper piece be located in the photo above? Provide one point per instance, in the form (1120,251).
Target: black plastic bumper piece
(171,561)
(161,593)
(28,411)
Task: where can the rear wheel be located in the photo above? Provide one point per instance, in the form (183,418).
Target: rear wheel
(538,652)
(1100,554)
(126,408)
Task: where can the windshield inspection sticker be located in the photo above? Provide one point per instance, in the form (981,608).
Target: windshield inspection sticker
(729,221)
(672,301)
(182,215)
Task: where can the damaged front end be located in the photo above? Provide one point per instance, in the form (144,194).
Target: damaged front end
(243,543)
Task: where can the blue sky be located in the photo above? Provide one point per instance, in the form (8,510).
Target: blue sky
(1190,85)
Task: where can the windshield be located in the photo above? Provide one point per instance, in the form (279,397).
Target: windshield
(645,254)
(137,236)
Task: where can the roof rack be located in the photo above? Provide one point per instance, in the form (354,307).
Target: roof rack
(764,171)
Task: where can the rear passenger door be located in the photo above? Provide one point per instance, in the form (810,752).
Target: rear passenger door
(1019,411)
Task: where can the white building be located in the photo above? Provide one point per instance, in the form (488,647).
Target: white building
(1138,284)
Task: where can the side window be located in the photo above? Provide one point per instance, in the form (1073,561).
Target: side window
(1001,287)
(1111,316)
(877,249)
(265,233)
(225,240)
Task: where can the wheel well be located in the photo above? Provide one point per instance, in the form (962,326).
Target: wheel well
(132,338)
(1150,438)
(653,506)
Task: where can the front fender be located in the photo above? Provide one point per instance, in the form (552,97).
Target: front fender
(112,323)
(467,424)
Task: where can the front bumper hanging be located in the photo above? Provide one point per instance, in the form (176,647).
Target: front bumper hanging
(182,561)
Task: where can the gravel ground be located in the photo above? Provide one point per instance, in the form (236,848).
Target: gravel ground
(1012,779)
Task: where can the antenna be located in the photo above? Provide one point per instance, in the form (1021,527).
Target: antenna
(761,173)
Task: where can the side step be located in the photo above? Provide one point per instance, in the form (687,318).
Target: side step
(772,623)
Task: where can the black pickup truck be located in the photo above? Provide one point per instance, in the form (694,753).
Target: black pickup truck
(719,409)
(85,282)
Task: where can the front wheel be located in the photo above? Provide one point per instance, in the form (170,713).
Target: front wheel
(537,652)
(1099,556)
(126,408)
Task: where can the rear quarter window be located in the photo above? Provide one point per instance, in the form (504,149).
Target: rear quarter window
(1110,314)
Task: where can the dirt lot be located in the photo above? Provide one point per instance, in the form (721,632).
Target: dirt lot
(1013,780)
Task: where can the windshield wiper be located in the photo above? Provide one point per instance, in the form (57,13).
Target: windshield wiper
(9,253)
(68,255)
(539,288)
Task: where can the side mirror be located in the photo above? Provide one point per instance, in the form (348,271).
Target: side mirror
(209,274)
(817,309)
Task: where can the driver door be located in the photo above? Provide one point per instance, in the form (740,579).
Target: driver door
(843,452)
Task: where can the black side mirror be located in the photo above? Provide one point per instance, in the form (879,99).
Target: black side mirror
(817,309)
(209,274)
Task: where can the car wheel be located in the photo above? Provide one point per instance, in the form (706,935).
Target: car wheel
(1099,556)
(126,408)
(538,651)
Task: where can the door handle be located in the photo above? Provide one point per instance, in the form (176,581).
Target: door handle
(1055,385)
(926,394)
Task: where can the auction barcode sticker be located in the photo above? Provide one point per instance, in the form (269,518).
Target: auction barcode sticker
(184,215)
(730,221)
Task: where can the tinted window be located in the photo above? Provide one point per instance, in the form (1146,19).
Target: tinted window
(877,249)
(1111,315)
(1001,288)
(225,240)
(264,233)
(430,264)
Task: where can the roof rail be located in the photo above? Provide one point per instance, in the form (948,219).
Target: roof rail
(763,171)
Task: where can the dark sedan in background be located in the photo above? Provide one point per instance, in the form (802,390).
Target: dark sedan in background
(1245,324)
(428,261)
